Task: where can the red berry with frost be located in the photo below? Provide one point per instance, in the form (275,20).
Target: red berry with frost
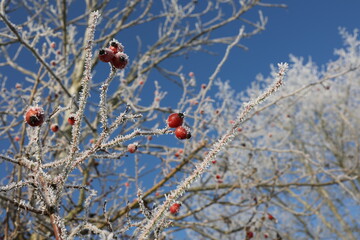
(175,208)
(182,133)
(266,235)
(17,138)
(249,235)
(175,120)
(18,86)
(116,47)
(218,176)
(203,86)
(271,217)
(35,116)
(132,148)
(53,45)
(178,153)
(191,74)
(106,55)
(54,127)
(120,60)
(213,161)
(127,184)
(71,119)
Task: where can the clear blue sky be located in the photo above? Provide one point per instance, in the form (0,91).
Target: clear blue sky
(306,28)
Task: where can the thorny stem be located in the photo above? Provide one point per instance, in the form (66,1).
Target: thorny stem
(94,16)
(159,215)
(56,228)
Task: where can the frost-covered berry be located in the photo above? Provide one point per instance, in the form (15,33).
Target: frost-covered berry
(35,116)
(249,235)
(54,127)
(182,133)
(120,60)
(71,119)
(106,55)
(132,147)
(271,218)
(178,153)
(175,208)
(116,47)
(175,120)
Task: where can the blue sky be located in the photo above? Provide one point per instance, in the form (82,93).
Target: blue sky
(306,28)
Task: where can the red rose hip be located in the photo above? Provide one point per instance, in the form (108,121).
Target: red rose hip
(132,147)
(175,208)
(54,127)
(71,119)
(249,235)
(175,120)
(106,55)
(35,116)
(120,60)
(116,47)
(182,133)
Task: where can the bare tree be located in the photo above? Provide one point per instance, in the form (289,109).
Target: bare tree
(87,152)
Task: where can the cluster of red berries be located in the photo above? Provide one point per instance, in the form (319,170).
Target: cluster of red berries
(179,152)
(175,120)
(219,178)
(114,54)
